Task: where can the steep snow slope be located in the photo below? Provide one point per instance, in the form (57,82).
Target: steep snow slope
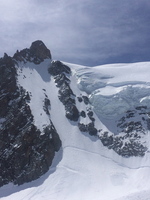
(84,169)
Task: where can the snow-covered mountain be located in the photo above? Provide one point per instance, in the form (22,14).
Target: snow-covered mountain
(83,130)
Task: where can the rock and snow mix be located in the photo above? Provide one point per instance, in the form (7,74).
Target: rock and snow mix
(87,167)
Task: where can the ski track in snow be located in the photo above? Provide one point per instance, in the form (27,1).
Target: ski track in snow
(109,158)
(83,169)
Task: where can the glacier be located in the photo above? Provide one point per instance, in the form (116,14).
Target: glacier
(116,88)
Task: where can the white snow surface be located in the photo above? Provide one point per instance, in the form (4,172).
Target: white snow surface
(84,169)
(115,88)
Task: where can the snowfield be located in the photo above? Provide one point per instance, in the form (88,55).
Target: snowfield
(84,169)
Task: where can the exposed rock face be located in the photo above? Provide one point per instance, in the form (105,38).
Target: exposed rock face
(126,146)
(38,49)
(129,144)
(66,95)
(25,152)
(58,68)
(8,88)
(36,53)
(88,128)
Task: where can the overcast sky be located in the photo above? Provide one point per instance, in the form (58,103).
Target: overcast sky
(87,32)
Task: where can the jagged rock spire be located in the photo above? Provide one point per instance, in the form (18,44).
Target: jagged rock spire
(39,49)
(36,53)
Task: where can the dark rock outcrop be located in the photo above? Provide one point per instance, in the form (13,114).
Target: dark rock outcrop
(72,112)
(88,128)
(25,152)
(129,144)
(39,50)
(36,53)
(91,129)
(85,99)
(83,114)
(61,75)
(47,104)
(58,68)
(122,146)
(80,99)
(90,115)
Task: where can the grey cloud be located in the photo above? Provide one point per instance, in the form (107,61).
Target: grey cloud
(78,31)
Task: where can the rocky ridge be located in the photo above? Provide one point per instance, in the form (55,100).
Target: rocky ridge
(25,152)
(61,74)
(36,53)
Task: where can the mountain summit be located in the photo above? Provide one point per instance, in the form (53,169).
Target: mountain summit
(39,49)
(70,128)
(36,53)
